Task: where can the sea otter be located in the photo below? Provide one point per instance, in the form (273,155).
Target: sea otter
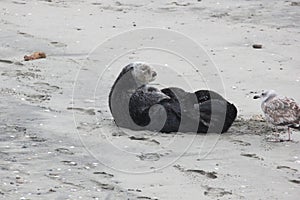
(136,105)
(131,77)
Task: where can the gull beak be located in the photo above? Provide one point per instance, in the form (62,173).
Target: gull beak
(154,74)
(256,97)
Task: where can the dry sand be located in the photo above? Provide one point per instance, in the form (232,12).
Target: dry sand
(58,141)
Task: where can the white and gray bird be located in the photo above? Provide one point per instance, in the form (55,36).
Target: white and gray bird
(280,111)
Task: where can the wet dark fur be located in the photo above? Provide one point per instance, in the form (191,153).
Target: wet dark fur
(224,113)
(136,109)
(158,115)
(178,112)
(119,96)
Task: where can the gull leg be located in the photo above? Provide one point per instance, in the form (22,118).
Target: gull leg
(289,133)
(276,132)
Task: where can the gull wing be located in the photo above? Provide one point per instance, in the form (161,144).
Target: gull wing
(282,111)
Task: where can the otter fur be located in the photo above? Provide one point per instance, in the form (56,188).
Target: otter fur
(136,105)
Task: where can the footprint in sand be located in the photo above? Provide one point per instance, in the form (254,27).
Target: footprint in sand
(240,142)
(212,175)
(295,181)
(37,98)
(216,192)
(19,74)
(44,87)
(104,186)
(69,162)
(89,111)
(149,156)
(252,155)
(64,151)
(104,174)
(10,133)
(58,44)
(282,167)
(35,138)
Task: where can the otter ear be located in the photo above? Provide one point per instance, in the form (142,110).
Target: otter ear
(126,69)
(129,67)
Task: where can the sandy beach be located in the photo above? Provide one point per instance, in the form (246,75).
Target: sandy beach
(57,136)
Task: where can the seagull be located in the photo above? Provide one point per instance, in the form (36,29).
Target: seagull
(280,111)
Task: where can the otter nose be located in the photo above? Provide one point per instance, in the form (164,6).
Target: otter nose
(154,74)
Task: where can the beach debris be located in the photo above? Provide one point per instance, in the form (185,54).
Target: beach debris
(257,46)
(280,111)
(35,56)
(52,190)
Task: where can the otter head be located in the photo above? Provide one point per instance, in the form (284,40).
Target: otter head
(143,73)
(152,93)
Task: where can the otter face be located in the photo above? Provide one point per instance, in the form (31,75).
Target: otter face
(152,93)
(156,93)
(143,73)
